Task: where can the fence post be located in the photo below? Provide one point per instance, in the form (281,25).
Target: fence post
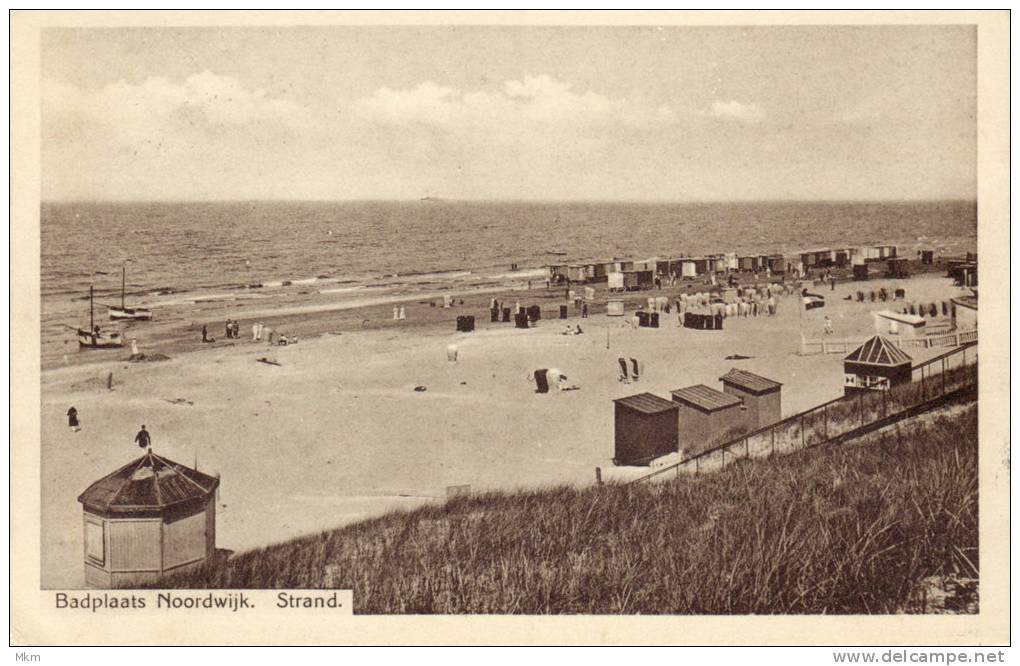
(924,386)
(773,431)
(884,396)
(825,422)
(860,406)
(803,436)
(943,376)
(747,450)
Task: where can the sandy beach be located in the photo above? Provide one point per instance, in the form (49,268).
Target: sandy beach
(337,432)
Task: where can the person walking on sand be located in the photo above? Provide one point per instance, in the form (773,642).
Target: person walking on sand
(403,313)
(828,325)
(226,329)
(142,438)
(72,419)
(205,333)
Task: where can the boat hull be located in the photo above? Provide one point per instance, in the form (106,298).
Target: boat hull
(130,313)
(105,340)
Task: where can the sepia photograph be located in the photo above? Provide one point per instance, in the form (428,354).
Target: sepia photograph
(651,317)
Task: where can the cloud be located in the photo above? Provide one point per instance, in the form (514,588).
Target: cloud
(129,112)
(530,103)
(146,139)
(737,111)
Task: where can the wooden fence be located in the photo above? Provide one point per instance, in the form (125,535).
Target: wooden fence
(932,382)
(846,345)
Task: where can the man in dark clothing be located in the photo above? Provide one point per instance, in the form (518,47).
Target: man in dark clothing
(143,439)
(205,333)
(72,419)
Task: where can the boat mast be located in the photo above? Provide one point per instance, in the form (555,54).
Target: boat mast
(92,323)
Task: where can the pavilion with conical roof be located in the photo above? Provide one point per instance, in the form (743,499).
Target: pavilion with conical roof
(877,365)
(146,519)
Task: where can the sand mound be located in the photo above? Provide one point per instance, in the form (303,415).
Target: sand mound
(148,358)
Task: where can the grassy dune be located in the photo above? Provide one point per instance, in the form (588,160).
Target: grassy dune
(851,529)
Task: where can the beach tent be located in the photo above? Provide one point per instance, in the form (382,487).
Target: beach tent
(614,308)
(150,518)
(589,293)
(688,268)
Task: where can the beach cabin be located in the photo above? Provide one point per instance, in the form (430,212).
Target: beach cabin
(638,279)
(557,273)
(928,257)
(747,263)
(662,266)
(626,265)
(614,281)
(717,264)
(614,308)
(964,274)
(761,396)
(731,261)
(877,365)
(841,258)
(776,264)
(903,325)
(688,268)
(897,268)
(886,251)
(965,313)
(150,518)
(708,417)
(645,427)
(577,273)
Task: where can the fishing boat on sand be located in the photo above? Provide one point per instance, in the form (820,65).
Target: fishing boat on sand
(95,337)
(124,312)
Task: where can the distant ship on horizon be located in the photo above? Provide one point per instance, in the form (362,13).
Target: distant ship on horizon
(430,198)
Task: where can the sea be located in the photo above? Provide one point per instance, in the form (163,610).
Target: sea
(175,253)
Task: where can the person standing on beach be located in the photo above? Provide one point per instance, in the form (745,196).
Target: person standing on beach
(255,332)
(142,438)
(828,325)
(226,329)
(72,419)
(205,333)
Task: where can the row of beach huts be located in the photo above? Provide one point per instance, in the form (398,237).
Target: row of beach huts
(631,274)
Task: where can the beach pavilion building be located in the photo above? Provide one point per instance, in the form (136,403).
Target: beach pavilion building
(877,365)
(147,519)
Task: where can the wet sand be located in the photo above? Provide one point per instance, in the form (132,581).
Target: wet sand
(337,433)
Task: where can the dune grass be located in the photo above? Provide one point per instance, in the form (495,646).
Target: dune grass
(850,529)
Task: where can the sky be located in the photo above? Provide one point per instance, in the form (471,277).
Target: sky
(536,113)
